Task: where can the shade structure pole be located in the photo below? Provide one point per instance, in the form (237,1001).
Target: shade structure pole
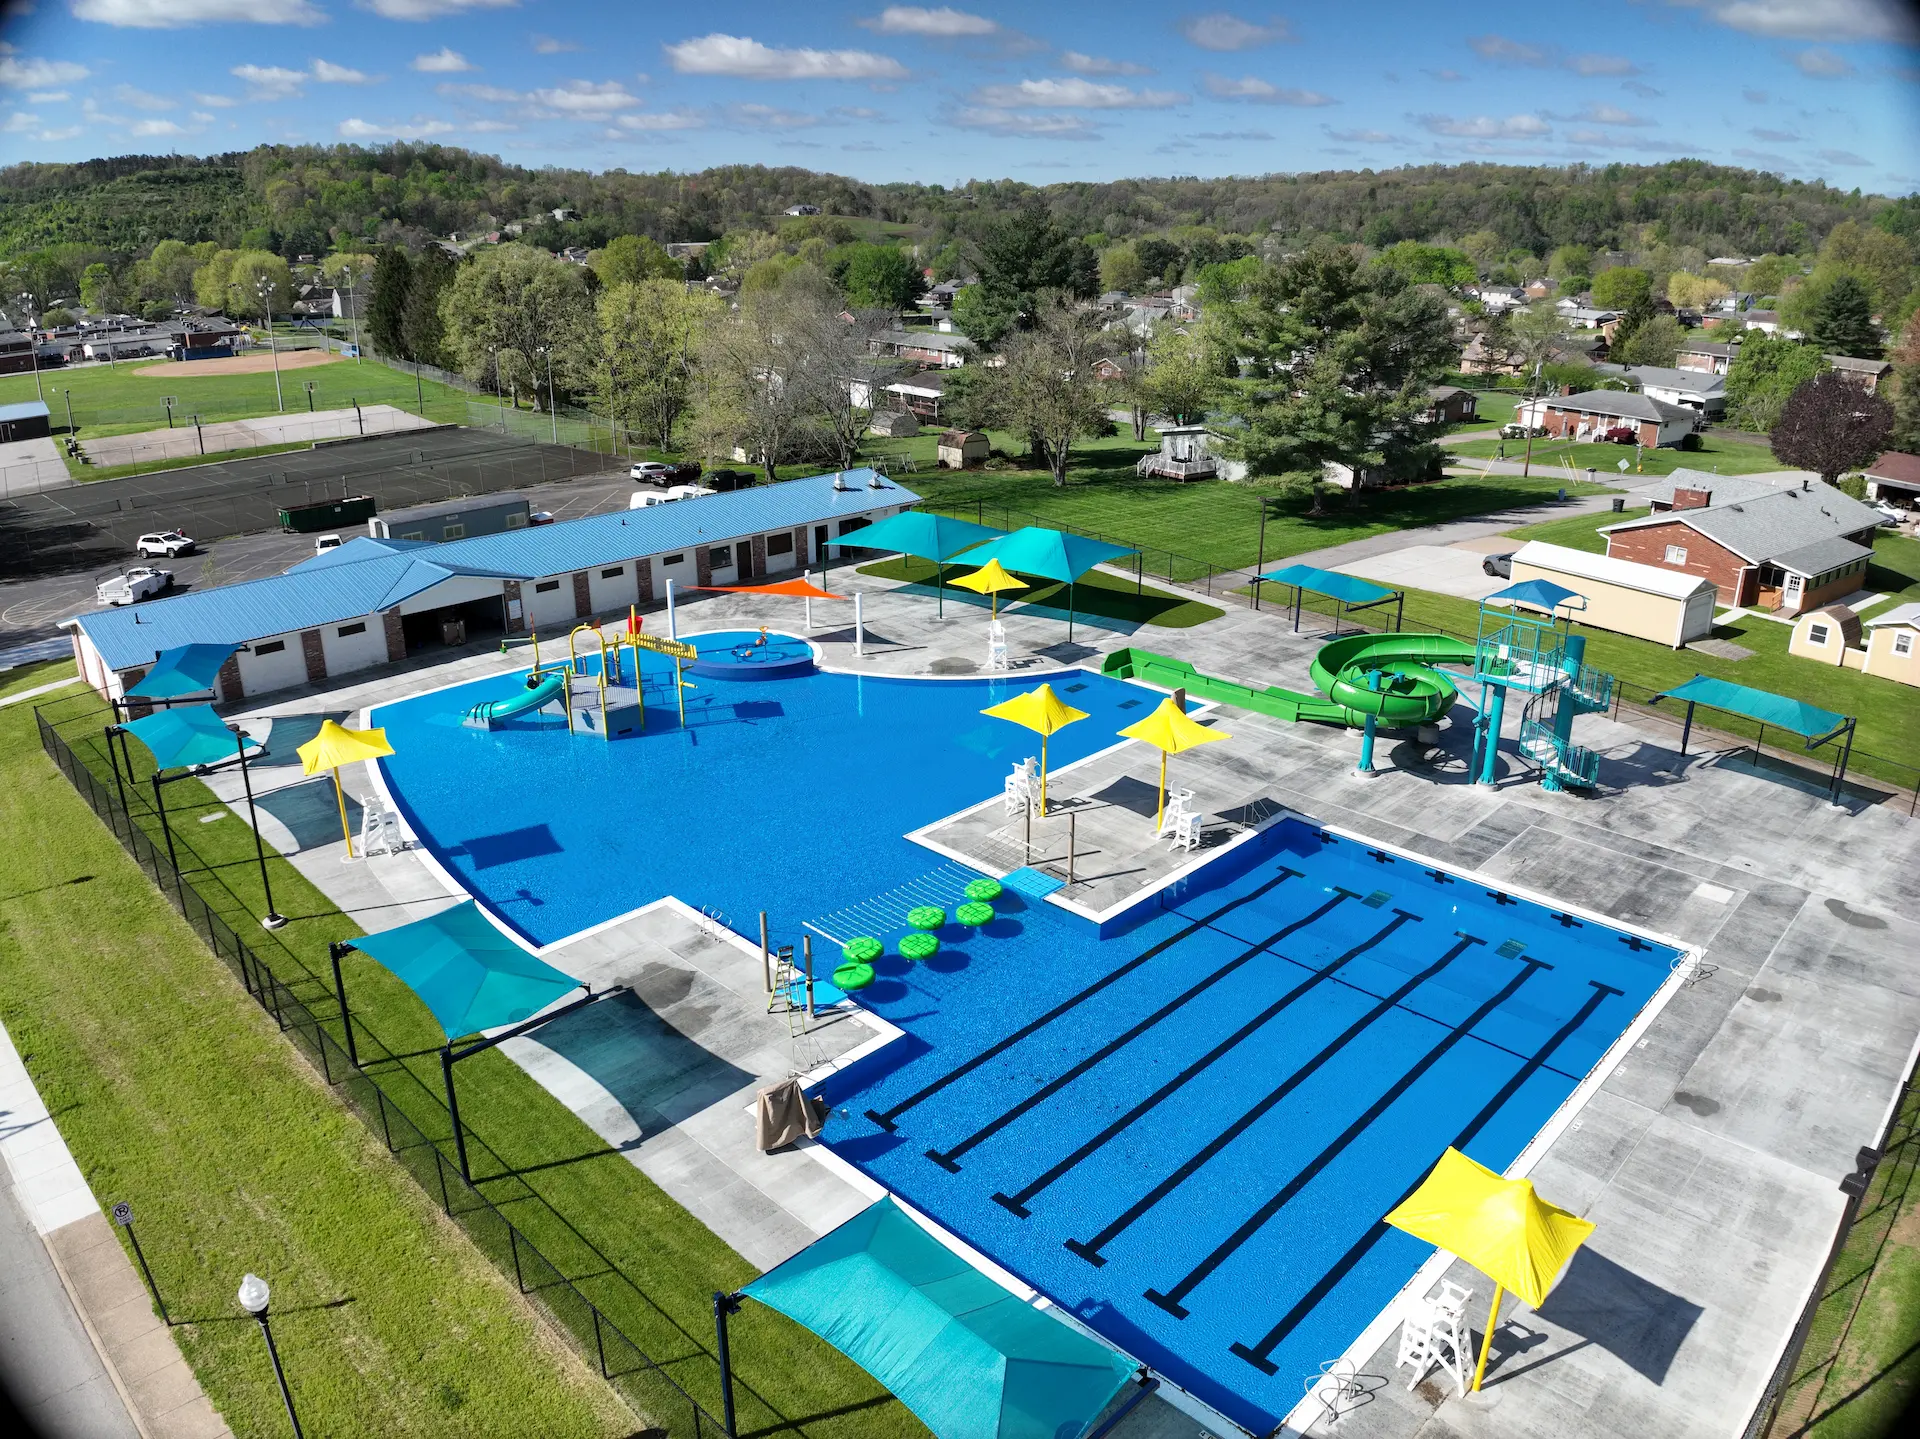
(859,628)
(114,760)
(1069,629)
(335,952)
(939,589)
(453,1109)
(1160,815)
(1043,776)
(673,624)
(1486,1341)
(340,798)
(1686,730)
(273,918)
(723,1305)
(160,807)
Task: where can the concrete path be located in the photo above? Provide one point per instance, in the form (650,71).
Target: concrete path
(28,466)
(1473,528)
(1440,568)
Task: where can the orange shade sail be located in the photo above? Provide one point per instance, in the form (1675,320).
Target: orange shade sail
(791,589)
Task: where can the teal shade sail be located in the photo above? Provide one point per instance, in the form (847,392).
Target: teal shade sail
(469,974)
(1344,588)
(922,535)
(1538,595)
(1054,554)
(182,738)
(182,670)
(967,1357)
(1763,705)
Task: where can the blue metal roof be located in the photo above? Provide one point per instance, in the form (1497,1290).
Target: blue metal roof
(27,410)
(366,575)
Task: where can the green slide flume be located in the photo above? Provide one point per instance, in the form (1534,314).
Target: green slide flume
(1412,691)
(544,691)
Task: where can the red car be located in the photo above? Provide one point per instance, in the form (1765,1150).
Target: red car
(1621,435)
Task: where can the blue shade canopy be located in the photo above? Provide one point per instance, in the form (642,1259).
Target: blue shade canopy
(182,738)
(467,972)
(963,1354)
(1053,553)
(182,670)
(924,536)
(1344,588)
(1538,594)
(1762,705)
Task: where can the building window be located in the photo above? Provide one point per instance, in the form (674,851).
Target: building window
(1817,634)
(271,647)
(453,532)
(719,557)
(545,586)
(346,630)
(780,544)
(412,535)
(673,559)
(516,521)
(1903,643)
(1676,554)
(614,573)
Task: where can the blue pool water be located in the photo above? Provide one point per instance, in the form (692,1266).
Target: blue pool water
(1185,1134)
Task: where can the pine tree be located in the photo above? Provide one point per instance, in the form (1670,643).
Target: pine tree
(422,331)
(387,306)
(1842,321)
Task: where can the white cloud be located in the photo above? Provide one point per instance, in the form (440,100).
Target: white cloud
(1220,31)
(490,94)
(1597,113)
(269,82)
(944,23)
(1361,137)
(548,45)
(1642,89)
(1502,51)
(358,129)
(1018,126)
(1764,157)
(217,102)
(1261,92)
(1448,77)
(48,97)
(141,99)
(719,54)
(1593,63)
(183,14)
(1099,65)
(1754,97)
(1839,21)
(766,117)
(1074,94)
(444,61)
(20,122)
(1822,63)
(429,9)
(586,97)
(1775,137)
(38,74)
(327,73)
(1486,127)
(661,121)
(1843,157)
(147,129)
(66,132)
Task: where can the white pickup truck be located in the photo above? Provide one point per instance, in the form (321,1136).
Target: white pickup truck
(139,583)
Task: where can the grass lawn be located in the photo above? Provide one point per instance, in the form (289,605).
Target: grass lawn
(649,1265)
(1187,527)
(175,1091)
(1715,456)
(1578,532)
(1492,408)
(1094,594)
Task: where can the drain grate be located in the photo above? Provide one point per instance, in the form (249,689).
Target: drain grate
(1075,689)
(1512,948)
(1376,899)
(1129,704)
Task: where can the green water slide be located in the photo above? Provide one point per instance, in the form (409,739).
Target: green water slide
(546,690)
(1411,692)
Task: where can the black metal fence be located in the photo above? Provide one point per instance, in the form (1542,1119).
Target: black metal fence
(639,1379)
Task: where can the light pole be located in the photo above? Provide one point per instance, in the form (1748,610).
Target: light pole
(552,413)
(263,287)
(253,1299)
(499,395)
(353,318)
(33,342)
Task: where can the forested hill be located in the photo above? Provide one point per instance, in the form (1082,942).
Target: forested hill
(310,199)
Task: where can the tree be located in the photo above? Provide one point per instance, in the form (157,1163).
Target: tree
(1484,247)
(881,277)
(1047,389)
(1655,342)
(387,303)
(99,290)
(1179,381)
(512,308)
(1020,256)
(1536,332)
(650,335)
(753,385)
(1829,425)
(1571,265)
(1120,268)
(1621,288)
(348,269)
(628,259)
(1906,389)
(1429,264)
(167,272)
(260,283)
(210,280)
(1695,292)
(1767,370)
(422,331)
(1881,259)
(1838,319)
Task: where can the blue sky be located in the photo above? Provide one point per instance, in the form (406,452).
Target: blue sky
(1824,89)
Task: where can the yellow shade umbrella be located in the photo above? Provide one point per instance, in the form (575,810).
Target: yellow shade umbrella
(1170,730)
(334,746)
(990,579)
(1043,712)
(1499,1226)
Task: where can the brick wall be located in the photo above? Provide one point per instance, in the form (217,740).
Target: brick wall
(1692,499)
(315,654)
(396,634)
(1648,546)
(759,554)
(800,546)
(136,708)
(643,580)
(702,566)
(229,680)
(516,609)
(1837,588)
(582,595)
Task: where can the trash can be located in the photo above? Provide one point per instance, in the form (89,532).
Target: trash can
(1619,504)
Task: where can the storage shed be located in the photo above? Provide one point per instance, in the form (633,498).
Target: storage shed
(962,449)
(1628,598)
(1830,634)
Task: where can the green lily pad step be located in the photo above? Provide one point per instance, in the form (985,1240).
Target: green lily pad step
(984,890)
(849,977)
(864,950)
(973,913)
(926,916)
(918,945)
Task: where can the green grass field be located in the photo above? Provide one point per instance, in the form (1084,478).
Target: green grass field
(1715,456)
(175,1092)
(1579,532)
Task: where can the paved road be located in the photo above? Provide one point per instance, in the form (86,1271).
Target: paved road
(1452,532)
(31,608)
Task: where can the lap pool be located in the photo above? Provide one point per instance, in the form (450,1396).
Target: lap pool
(1185,1134)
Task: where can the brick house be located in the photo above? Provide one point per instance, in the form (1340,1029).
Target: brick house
(1451,405)
(1867,374)
(1592,413)
(1789,549)
(1712,356)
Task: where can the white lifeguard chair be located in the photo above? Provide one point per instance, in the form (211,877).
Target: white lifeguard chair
(1431,1336)
(1020,785)
(1179,803)
(1186,832)
(379,828)
(996,646)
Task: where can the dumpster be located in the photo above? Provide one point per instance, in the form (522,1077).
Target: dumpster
(327,515)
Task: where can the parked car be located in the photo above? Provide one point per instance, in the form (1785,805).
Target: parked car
(687,492)
(323,543)
(164,545)
(1891,514)
(139,583)
(1621,435)
(647,500)
(651,472)
(1499,567)
(540,517)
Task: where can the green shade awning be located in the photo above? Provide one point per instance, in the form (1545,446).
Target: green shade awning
(924,536)
(466,971)
(182,738)
(967,1357)
(182,670)
(1054,554)
(1344,588)
(1762,705)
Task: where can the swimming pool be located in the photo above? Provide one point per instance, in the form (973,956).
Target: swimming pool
(1184,1134)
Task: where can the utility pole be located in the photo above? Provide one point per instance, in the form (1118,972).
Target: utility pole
(353,316)
(1526,465)
(27,302)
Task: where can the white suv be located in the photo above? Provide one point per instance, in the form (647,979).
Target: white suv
(164,544)
(650,471)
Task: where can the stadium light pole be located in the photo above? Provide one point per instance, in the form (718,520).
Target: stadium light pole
(353,317)
(553,414)
(263,286)
(33,340)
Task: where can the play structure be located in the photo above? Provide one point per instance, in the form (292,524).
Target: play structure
(1393,681)
(590,689)
(760,657)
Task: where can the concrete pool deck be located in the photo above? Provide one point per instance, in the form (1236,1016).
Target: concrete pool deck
(1710,1159)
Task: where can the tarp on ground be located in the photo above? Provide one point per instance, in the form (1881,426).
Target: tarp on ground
(1054,554)
(968,1358)
(469,974)
(182,670)
(920,534)
(1344,588)
(182,738)
(1537,595)
(1763,705)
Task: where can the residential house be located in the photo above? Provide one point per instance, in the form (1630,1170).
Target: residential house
(1497,298)
(16,352)
(801,210)
(1867,374)
(1183,304)
(564,213)
(1765,321)
(943,293)
(1895,477)
(1584,317)
(1141,316)
(1540,289)
(1591,414)
(1684,486)
(924,394)
(1712,356)
(1477,358)
(1696,390)
(1450,405)
(1110,369)
(923,347)
(1788,549)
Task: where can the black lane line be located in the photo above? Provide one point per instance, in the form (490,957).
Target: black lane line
(1113,1046)
(1258,1355)
(885,1118)
(1173,1299)
(1089,1249)
(1016,1203)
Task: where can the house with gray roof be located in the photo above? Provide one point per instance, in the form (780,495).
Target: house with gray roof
(1593,414)
(1698,390)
